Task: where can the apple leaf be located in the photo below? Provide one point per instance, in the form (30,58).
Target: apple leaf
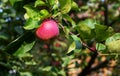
(77,41)
(103,32)
(100,47)
(71,48)
(65,5)
(15,44)
(90,23)
(35,13)
(25,47)
(51,2)
(32,12)
(40,3)
(114,46)
(86,29)
(44,14)
(114,37)
(75,46)
(113,43)
(31,24)
(74,6)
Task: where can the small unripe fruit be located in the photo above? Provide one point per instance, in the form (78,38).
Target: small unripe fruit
(47,30)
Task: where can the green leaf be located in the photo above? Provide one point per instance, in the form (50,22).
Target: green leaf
(15,44)
(32,12)
(74,6)
(67,17)
(26,74)
(100,47)
(25,47)
(113,43)
(31,24)
(103,32)
(71,47)
(3,37)
(114,46)
(48,68)
(40,3)
(12,2)
(65,5)
(51,2)
(35,13)
(77,42)
(90,23)
(86,29)
(55,6)
(62,73)
(115,37)
(44,14)
(75,46)
(66,60)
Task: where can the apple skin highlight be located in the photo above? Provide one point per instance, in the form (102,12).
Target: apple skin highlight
(47,30)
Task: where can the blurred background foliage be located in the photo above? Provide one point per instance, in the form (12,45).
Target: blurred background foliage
(56,57)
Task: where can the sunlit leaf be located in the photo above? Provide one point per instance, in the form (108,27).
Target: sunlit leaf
(71,47)
(31,24)
(100,47)
(32,12)
(25,47)
(113,43)
(55,6)
(114,46)
(65,5)
(51,2)
(86,29)
(44,14)
(40,3)
(115,37)
(90,23)
(74,6)
(76,45)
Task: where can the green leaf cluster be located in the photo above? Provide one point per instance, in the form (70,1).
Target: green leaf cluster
(90,29)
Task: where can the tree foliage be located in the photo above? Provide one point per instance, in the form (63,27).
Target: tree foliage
(88,29)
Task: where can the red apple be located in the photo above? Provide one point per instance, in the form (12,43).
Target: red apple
(47,30)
